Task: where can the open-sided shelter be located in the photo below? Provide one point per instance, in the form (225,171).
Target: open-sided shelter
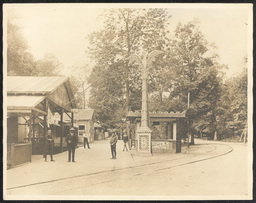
(167,129)
(30,99)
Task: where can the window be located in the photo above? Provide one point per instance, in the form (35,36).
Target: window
(81,127)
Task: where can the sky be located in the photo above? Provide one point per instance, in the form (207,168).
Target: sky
(61,29)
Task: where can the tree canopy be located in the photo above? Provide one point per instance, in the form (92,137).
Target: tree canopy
(19,59)
(189,68)
(125,32)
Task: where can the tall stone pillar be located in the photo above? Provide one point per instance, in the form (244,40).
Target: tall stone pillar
(46,105)
(144,133)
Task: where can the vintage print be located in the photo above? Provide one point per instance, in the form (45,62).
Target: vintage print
(127,101)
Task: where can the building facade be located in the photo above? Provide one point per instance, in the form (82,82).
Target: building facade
(84,121)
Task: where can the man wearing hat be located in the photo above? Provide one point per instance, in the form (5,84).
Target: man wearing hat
(48,145)
(71,144)
(113,142)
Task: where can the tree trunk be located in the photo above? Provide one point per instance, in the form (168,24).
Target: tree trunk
(215,135)
(192,139)
(127,92)
(245,134)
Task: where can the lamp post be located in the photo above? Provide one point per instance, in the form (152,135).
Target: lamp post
(144,133)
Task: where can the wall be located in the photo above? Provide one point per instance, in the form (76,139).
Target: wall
(18,154)
(12,129)
(89,130)
(164,146)
(22,129)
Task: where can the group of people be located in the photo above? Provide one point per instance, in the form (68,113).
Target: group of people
(71,140)
(113,142)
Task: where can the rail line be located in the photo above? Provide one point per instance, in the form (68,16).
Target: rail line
(139,166)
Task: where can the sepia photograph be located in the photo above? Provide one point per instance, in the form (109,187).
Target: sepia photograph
(131,101)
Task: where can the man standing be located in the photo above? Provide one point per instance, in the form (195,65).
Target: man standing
(48,145)
(86,136)
(113,142)
(71,144)
(125,139)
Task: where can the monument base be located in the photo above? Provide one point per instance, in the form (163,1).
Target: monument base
(144,140)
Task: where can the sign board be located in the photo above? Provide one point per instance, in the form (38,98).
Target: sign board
(161,145)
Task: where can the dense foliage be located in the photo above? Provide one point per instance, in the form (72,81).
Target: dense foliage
(189,68)
(118,83)
(19,59)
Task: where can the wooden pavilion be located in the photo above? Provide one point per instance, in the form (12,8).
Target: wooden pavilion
(31,102)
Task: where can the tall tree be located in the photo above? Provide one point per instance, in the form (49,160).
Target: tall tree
(19,60)
(126,31)
(106,95)
(79,77)
(234,101)
(190,58)
(48,66)
(207,105)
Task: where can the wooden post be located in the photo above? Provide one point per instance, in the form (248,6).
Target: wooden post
(45,117)
(33,128)
(62,131)
(29,122)
(178,137)
(72,119)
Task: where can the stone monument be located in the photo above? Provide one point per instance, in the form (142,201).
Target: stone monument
(144,133)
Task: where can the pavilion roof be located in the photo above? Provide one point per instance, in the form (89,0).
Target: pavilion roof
(84,114)
(33,85)
(25,93)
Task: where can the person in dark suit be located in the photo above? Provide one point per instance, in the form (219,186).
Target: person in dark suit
(113,142)
(71,144)
(48,145)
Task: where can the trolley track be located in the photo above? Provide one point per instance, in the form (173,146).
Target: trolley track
(212,154)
